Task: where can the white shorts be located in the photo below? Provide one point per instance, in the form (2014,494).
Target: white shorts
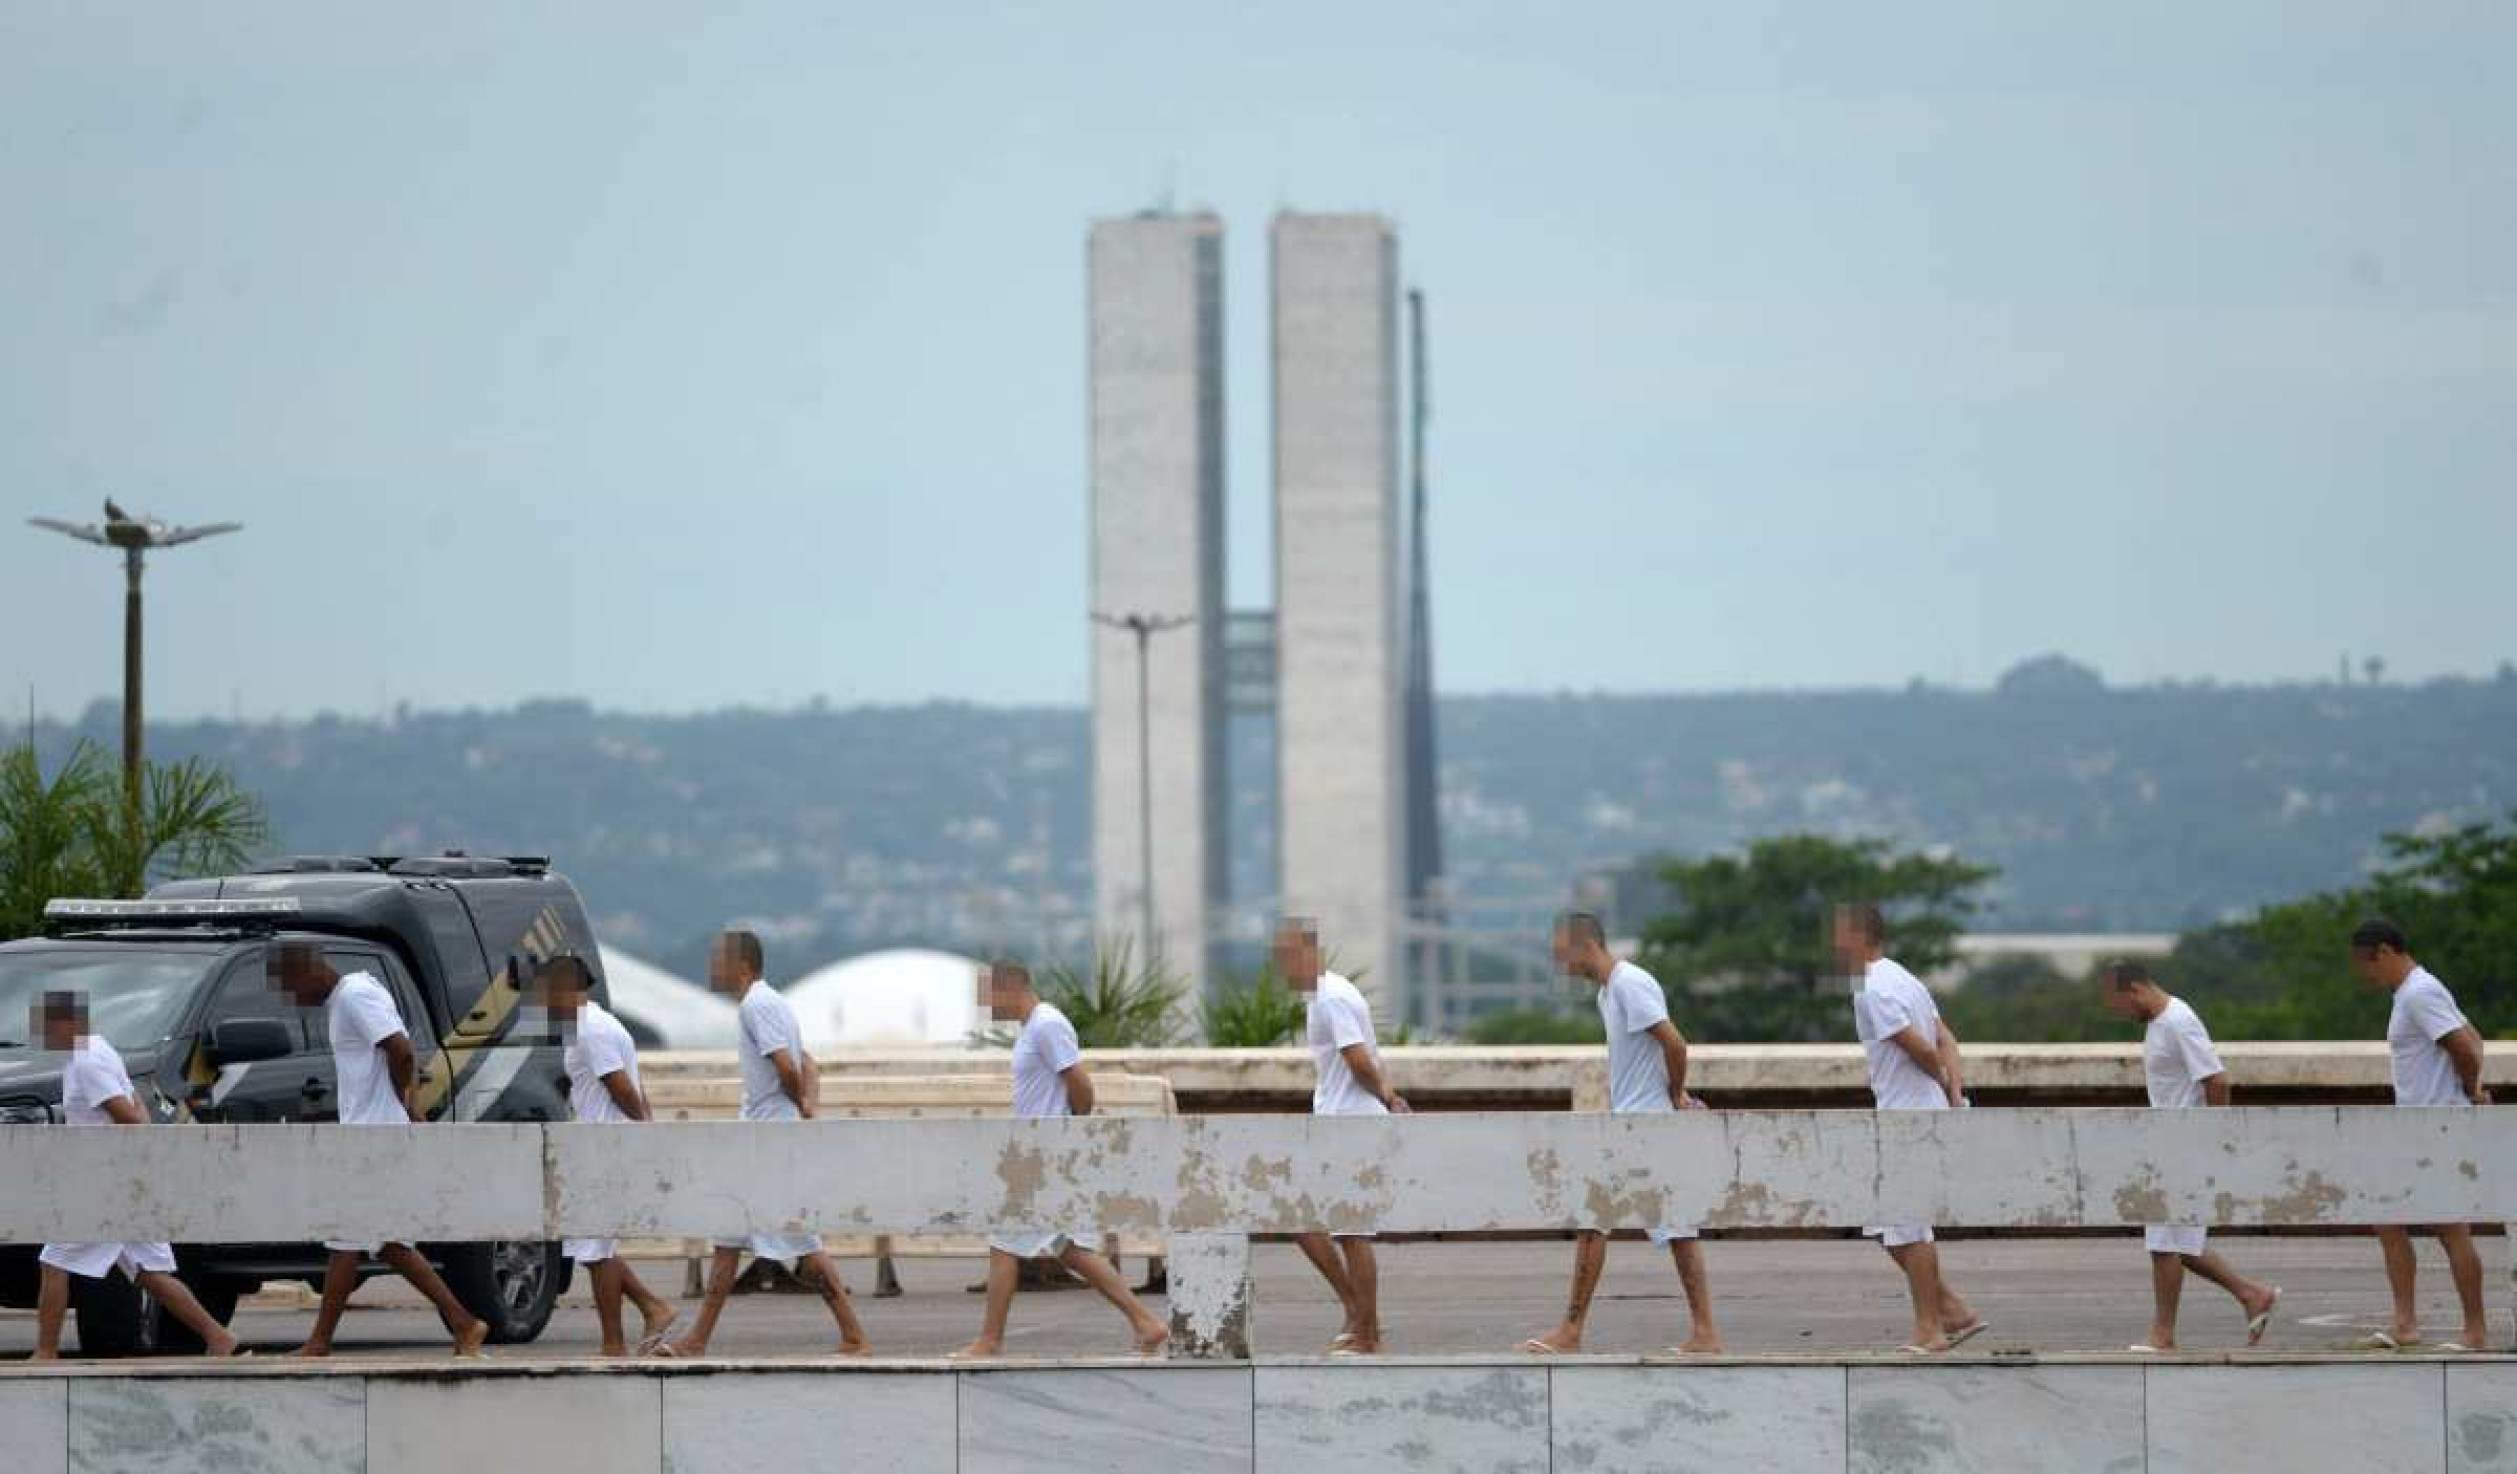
(1663,1236)
(95,1261)
(590,1251)
(371,1246)
(1898,1235)
(2168,1238)
(1043,1243)
(786,1248)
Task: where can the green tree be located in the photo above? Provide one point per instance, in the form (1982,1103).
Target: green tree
(1117,1004)
(73,834)
(1537,1026)
(1253,1012)
(1745,956)
(2028,1000)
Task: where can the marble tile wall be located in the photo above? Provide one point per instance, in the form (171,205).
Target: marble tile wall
(428,1425)
(748,1422)
(1100,1420)
(35,1425)
(216,1425)
(1965,1417)
(2367,1417)
(1418,1419)
(1697,1420)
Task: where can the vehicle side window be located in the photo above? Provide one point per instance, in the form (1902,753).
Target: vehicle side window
(388,972)
(247,993)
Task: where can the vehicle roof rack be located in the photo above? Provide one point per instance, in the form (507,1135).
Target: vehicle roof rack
(324,865)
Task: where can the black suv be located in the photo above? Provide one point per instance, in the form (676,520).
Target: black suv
(177,983)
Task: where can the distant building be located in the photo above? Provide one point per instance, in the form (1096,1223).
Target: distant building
(1157,467)
(1341,655)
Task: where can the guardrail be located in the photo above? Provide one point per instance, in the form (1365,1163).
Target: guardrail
(1208,1183)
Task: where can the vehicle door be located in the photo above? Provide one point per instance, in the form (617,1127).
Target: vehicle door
(293,1086)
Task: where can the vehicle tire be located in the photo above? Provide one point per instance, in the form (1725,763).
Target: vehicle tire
(511,1284)
(116,1317)
(171,1336)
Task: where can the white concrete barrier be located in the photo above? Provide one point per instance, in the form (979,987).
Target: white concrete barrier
(1600,1415)
(1223,1178)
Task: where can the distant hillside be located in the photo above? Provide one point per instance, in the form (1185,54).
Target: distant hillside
(2149,808)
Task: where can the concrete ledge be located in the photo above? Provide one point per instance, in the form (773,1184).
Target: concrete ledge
(2231,1414)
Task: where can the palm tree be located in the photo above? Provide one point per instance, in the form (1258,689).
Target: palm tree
(74,833)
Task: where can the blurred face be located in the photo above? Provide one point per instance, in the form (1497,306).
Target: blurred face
(2124,1002)
(726,970)
(298,976)
(1298,958)
(1851,947)
(1578,957)
(1004,994)
(563,992)
(58,1028)
(2379,967)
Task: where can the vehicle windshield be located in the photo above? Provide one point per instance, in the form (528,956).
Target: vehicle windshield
(132,992)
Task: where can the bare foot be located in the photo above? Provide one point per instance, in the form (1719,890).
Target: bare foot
(614,1350)
(982,1349)
(657,1322)
(42,1355)
(1562,1341)
(225,1345)
(469,1340)
(313,1349)
(1150,1338)
(685,1347)
(856,1348)
(1708,1343)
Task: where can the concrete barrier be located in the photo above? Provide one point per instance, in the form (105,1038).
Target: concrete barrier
(1207,1183)
(1600,1415)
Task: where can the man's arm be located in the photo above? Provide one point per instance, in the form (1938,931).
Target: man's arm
(631,1100)
(1674,1053)
(1078,1089)
(403,1066)
(2215,1089)
(2464,1049)
(1926,1056)
(1952,1073)
(124,1111)
(1367,1073)
(791,1080)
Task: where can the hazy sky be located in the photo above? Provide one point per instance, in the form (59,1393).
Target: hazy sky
(681,356)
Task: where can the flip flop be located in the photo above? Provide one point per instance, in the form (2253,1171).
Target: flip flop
(2452,1348)
(661,1334)
(1341,1339)
(1964,1334)
(2256,1327)
(1535,1347)
(2144,1348)
(2377,1341)
(664,1349)
(1910,1349)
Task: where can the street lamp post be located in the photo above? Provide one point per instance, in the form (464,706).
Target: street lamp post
(135,536)
(1144,627)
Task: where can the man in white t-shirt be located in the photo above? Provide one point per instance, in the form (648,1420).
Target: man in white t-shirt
(2437,1061)
(1912,1059)
(2183,1072)
(1348,1081)
(601,1060)
(373,1071)
(96,1091)
(1647,1075)
(780,1083)
(1049,1081)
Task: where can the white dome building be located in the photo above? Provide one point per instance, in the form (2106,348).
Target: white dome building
(658,1006)
(908,996)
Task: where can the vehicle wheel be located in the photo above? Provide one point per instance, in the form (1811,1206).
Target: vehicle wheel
(511,1284)
(116,1317)
(172,1336)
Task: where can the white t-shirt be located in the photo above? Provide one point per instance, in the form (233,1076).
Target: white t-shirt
(94,1076)
(600,1045)
(767,1022)
(2176,1056)
(1889,1001)
(1630,1003)
(2425,1012)
(358,1017)
(1043,1052)
(1340,1016)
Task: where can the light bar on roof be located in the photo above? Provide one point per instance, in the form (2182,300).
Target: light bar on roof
(219,910)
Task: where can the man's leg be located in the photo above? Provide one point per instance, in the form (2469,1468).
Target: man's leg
(1921,1264)
(469,1330)
(2465,1267)
(2167,1289)
(823,1274)
(180,1303)
(1321,1250)
(1095,1271)
(654,1310)
(1590,1255)
(605,1274)
(1003,1270)
(2253,1296)
(52,1306)
(1702,1337)
(2402,1276)
(340,1276)
(1363,1271)
(723,1261)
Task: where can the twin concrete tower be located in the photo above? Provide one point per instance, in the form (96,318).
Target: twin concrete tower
(1342,662)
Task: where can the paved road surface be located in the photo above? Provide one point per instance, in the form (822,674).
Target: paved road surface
(1774,1296)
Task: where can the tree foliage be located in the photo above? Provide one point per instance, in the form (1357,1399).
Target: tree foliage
(1538,1026)
(1117,1003)
(1746,956)
(1253,1012)
(74,834)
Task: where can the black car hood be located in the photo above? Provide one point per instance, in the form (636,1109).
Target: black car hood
(37,1072)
